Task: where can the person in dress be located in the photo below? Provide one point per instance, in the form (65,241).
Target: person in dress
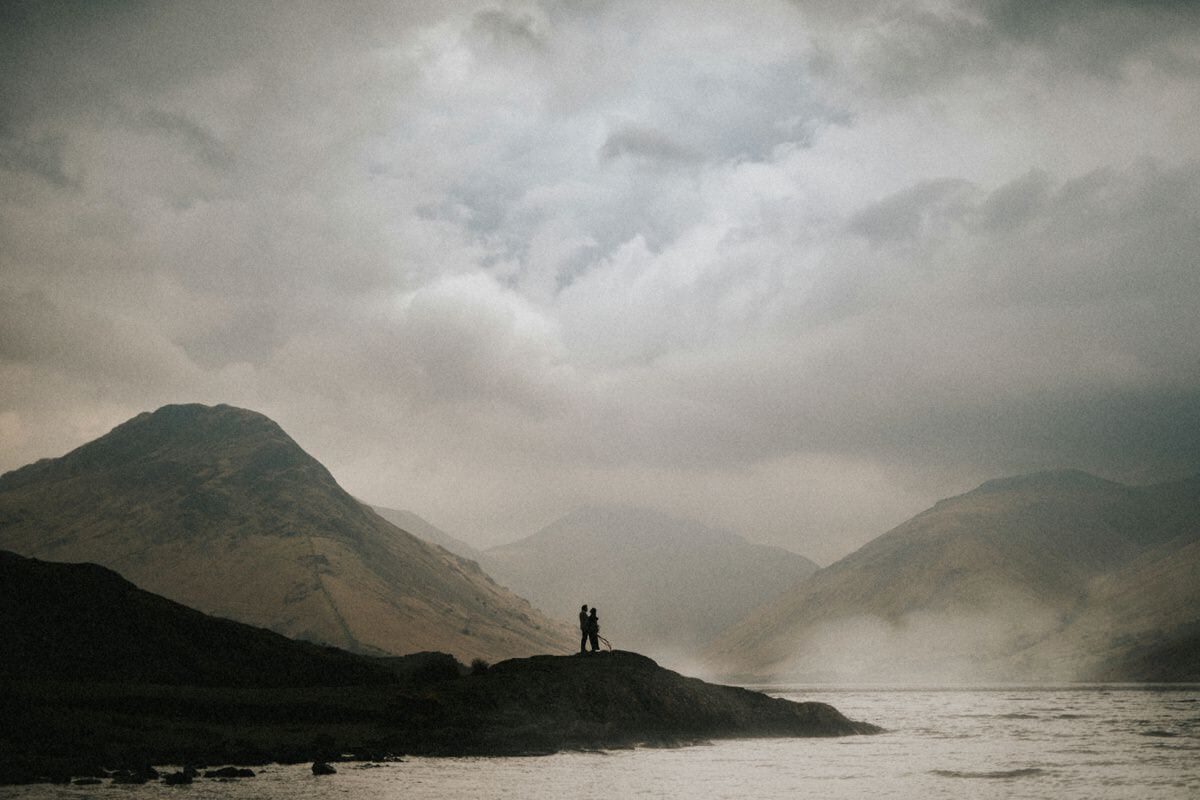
(593,630)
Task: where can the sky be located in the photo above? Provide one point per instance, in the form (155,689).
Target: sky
(797,269)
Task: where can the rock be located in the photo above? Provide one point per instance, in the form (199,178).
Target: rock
(545,704)
(322,768)
(130,776)
(542,704)
(177,779)
(86,781)
(229,772)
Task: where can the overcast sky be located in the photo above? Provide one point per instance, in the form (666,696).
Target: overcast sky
(794,268)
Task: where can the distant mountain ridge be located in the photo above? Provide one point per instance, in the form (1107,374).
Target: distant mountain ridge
(664,585)
(217,508)
(1047,479)
(1028,577)
(428,532)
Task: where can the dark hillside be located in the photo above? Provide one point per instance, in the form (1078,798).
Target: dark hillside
(82,622)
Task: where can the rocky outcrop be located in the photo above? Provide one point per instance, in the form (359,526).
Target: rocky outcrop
(535,705)
(612,699)
(229,772)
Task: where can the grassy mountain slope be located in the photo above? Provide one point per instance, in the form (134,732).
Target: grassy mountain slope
(996,583)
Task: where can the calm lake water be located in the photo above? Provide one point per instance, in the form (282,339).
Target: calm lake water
(1012,742)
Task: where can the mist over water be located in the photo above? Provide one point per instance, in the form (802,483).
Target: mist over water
(1071,741)
(1021,642)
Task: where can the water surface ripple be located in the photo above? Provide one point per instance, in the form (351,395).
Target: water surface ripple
(1051,742)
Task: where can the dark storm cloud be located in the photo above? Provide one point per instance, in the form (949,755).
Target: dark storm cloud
(1099,36)
(210,150)
(1016,203)
(504,29)
(901,216)
(917,47)
(649,144)
(961,340)
(787,267)
(43,157)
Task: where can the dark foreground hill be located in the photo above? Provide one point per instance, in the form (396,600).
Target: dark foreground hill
(219,509)
(85,623)
(99,675)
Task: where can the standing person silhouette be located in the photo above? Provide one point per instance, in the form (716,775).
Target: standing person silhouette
(583,629)
(593,630)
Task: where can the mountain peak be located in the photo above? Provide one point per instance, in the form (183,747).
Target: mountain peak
(1049,479)
(191,441)
(634,523)
(180,422)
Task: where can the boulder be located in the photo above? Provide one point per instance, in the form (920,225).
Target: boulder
(131,776)
(229,772)
(322,768)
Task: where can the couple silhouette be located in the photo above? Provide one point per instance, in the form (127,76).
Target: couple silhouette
(589,629)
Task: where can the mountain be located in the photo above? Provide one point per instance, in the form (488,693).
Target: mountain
(218,509)
(1038,576)
(663,585)
(425,531)
(1142,620)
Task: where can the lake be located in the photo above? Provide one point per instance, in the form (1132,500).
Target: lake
(1003,742)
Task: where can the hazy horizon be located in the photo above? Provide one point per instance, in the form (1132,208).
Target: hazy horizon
(793,269)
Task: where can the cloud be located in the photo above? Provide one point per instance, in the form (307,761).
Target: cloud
(501,28)
(909,49)
(465,339)
(210,150)
(907,214)
(491,261)
(646,144)
(42,157)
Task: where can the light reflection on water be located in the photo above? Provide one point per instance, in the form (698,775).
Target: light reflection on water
(1022,742)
